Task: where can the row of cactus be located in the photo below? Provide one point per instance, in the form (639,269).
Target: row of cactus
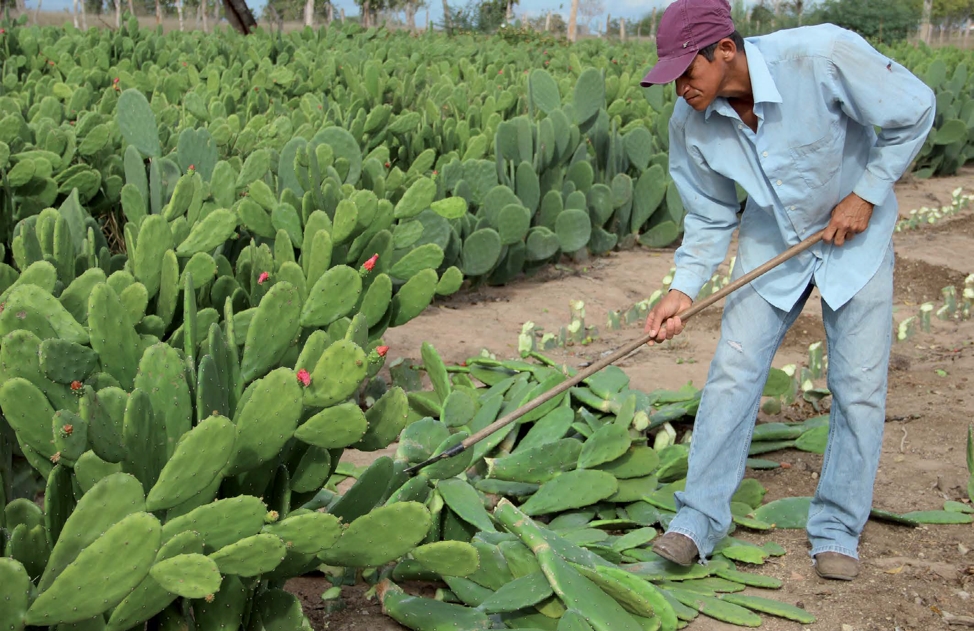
(198,392)
(951,143)
(561,159)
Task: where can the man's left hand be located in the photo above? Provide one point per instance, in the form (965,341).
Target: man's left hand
(849,218)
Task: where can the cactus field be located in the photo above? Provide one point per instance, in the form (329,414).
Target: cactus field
(245,282)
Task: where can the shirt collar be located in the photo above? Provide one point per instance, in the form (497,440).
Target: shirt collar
(762,85)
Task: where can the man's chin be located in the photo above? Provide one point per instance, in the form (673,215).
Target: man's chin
(698,103)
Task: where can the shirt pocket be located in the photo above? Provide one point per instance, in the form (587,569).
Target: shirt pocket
(818,162)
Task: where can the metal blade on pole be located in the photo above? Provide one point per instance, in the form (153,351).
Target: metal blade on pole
(618,354)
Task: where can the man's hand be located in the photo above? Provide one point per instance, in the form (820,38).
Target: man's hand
(661,323)
(849,218)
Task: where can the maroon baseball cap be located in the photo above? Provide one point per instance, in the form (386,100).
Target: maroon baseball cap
(686,27)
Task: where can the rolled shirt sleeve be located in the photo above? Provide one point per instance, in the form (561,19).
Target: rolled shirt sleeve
(711,206)
(875,90)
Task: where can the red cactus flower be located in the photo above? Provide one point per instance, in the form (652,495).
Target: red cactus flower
(370,264)
(3,31)
(435,172)
(184,64)
(192,167)
(388,165)
(256,89)
(500,71)
(115,80)
(382,350)
(76,385)
(68,430)
(304,378)
(263,278)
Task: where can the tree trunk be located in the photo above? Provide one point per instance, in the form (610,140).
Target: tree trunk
(608,19)
(341,14)
(411,16)
(547,23)
(446,16)
(366,12)
(622,29)
(331,13)
(118,13)
(572,24)
(75,7)
(131,8)
(37,12)
(203,14)
(158,13)
(509,14)
(309,12)
(179,12)
(925,29)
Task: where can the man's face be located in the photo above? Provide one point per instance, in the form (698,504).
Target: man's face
(700,84)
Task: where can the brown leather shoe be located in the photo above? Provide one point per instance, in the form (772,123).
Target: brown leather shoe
(836,566)
(677,548)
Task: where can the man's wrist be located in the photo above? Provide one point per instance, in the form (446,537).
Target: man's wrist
(677,291)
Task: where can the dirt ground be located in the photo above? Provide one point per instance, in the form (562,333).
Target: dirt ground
(909,576)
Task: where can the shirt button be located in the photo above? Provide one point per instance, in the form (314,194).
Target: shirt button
(765,154)
(778,182)
(740,126)
(791,208)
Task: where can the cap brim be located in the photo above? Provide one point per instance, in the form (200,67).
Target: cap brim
(668,70)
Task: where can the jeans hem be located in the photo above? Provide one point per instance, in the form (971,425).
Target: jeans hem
(833,548)
(695,540)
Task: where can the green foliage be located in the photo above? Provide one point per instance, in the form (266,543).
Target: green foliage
(878,20)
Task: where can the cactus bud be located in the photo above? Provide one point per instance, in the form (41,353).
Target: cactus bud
(272,516)
(56,457)
(304,378)
(370,264)
(76,385)
(67,430)
(209,598)
(382,350)
(192,167)
(263,278)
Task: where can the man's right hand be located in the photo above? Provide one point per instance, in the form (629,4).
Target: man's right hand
(661,323)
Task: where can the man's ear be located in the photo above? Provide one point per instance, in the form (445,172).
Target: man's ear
(727,49)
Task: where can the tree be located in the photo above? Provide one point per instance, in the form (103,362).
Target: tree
(573,22)
(485,16)
(589,10)
(885,20)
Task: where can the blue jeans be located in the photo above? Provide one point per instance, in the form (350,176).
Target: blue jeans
(859,335)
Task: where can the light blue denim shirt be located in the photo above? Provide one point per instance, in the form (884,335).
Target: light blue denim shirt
(819,94)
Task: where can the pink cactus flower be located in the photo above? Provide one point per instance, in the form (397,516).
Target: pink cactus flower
(263,278)
(304,377)
(370,264)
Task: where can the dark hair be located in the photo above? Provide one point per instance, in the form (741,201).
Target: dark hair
(709,51)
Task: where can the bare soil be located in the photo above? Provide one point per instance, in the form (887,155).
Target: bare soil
(909,577)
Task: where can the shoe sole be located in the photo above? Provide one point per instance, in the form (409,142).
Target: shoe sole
(836,577)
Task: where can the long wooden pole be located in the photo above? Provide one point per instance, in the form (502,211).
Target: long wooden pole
(618,354)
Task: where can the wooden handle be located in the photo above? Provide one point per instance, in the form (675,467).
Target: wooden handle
(618,354)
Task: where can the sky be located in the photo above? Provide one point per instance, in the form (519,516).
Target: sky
(633,9)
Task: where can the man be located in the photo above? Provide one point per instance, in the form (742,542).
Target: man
(791,117)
